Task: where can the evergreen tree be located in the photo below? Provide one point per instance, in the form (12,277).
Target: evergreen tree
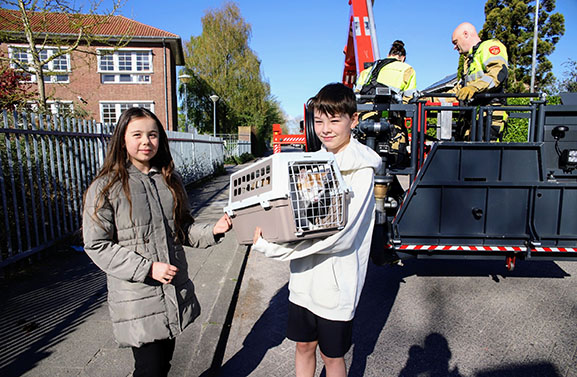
(512,22)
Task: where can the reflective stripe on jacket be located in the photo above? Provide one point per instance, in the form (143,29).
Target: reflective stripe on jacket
(486,66)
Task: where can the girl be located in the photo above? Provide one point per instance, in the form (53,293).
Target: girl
(136,219)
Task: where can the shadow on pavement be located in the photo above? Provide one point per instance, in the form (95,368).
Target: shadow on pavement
(40,311)
(542,369)
(268,332)
(493,268)
(379,294)
(432,359)
(382,286)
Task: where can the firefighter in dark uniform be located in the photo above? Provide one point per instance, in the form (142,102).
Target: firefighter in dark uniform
(485,71)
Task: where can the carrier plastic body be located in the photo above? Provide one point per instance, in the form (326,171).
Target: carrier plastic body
(290,196)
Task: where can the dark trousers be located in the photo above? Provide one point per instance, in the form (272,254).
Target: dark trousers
(153,359)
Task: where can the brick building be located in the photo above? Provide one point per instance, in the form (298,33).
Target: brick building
(102,80)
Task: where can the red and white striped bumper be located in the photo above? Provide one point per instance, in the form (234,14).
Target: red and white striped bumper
(486,248)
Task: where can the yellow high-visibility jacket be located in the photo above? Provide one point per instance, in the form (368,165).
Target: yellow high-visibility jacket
(486,67)
(398,76)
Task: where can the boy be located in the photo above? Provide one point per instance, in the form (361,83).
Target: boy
(327,275)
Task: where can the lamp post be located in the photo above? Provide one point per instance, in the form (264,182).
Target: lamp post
(535,36)
(184,78)
(214,98)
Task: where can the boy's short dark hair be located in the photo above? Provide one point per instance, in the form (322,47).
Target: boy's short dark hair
(333,99)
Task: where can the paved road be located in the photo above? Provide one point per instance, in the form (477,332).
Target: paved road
(428,318)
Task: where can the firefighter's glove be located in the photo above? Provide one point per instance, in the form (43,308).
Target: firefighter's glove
(466,93)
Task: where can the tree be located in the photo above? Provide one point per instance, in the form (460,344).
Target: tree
(569,83)
(14,92)
(512,22)
(31,22)
(197,103)
(221,62)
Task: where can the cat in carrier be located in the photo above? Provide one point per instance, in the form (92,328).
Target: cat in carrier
(313,197)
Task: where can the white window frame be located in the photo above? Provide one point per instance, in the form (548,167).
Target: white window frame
(116,75)
(120,106)
(53,106)
(51,75)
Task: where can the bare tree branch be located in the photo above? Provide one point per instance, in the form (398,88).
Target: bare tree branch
(33,25)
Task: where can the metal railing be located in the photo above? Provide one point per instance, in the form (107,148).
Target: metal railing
(46,164)
(195,156)
(233,147)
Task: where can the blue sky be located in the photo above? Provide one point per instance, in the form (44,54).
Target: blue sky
(300,42)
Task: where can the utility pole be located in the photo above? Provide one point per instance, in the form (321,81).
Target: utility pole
(535,36)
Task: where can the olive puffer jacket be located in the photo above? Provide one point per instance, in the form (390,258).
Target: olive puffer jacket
(124,247)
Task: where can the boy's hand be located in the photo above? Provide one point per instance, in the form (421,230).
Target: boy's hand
(257,235)
(163,272)
(223,225)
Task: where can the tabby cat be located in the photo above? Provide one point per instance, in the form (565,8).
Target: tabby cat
(314,197)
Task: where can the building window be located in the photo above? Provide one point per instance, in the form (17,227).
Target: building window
(110,111)
(125,66)
(62,108)
(55,71)
(106,63)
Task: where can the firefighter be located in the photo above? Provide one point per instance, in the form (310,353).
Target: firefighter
(485,70)
(400,77)
(392,72)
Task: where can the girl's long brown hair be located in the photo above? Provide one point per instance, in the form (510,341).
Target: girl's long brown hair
(116,162)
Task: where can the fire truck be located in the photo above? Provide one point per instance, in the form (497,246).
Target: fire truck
(475,199)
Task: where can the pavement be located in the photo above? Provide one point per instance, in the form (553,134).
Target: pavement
(54,314)
(457,318)
(429,318)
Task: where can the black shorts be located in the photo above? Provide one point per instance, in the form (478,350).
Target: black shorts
(334,337)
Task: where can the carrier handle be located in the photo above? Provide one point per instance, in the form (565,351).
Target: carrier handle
(265,204)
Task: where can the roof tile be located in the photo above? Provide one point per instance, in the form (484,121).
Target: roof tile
(63,23)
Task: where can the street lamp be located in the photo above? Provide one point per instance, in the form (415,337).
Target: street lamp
(214,98)
(185,78)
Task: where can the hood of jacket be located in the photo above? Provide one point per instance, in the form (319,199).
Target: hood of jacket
(357,156)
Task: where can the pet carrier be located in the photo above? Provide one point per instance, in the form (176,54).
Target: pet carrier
(290,196)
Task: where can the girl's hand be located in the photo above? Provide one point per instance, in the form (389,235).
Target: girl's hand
(163,272)
(257,235)
(223,225)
